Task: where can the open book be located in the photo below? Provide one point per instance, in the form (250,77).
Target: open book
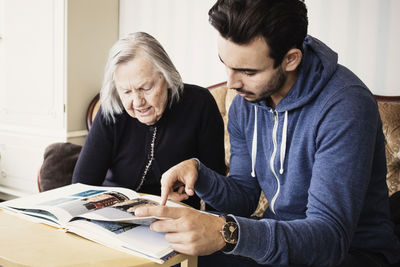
(102,214)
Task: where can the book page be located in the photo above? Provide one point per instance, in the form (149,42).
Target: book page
(125,211)
(60,205)
(134,239)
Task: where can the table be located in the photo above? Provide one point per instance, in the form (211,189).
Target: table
(25,243)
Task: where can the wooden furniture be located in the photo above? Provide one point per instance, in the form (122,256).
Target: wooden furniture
(52,57)
(25,243)
(92,111)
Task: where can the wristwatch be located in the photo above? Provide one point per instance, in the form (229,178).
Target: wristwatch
(230,233)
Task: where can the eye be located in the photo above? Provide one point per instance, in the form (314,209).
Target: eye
(126,92)
(249,73)
(147,88)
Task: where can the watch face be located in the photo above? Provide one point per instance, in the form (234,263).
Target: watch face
(230,232)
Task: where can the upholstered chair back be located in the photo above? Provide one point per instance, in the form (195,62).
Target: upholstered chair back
(389,109)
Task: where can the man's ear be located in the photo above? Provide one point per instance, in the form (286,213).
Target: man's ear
(292,59)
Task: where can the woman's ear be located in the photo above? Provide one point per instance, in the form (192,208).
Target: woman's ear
(292,59)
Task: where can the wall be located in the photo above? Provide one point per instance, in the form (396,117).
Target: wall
(182,28)
(92,29)
(364,33)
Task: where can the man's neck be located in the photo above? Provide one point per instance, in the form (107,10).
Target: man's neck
(274,100)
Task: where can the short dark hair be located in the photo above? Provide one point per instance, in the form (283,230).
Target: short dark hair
(282,23)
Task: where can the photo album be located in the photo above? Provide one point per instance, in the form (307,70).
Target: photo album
(105,215)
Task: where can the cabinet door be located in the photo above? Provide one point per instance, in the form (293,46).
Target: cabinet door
(31,64)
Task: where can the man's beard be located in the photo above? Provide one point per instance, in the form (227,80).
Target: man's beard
(273,86)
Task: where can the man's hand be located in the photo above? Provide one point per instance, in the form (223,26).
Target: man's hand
(189,231)
(178,182)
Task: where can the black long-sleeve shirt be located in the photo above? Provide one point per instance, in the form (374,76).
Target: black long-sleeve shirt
(115,154)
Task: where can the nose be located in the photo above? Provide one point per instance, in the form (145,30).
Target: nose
(137,99)
(233,81)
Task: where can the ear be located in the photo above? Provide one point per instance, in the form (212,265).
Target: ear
(292,59)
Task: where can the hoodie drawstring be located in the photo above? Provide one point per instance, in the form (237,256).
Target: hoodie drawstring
(254,144)
(283,143)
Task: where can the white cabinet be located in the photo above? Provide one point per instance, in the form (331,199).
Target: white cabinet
(52,57)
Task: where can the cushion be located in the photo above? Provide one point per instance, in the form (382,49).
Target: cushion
(58,165)
(390,114)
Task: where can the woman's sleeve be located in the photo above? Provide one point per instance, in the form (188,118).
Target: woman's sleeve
(211,136)
(95,157)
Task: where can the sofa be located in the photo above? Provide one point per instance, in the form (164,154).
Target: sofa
(60,158)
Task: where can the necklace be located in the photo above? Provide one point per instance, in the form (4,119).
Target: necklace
(146,169)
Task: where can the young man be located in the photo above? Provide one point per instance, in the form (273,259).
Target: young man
(303,129)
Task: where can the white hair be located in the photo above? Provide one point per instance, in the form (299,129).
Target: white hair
(127,49)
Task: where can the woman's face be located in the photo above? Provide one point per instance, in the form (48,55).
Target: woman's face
(142,90)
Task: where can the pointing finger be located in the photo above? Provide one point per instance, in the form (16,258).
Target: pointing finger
(160,211)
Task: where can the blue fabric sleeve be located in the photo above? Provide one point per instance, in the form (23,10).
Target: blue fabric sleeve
(336,194)
(345,135)
(239,192)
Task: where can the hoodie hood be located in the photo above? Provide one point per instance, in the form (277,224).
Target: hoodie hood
(318,65)
(316,69)
(319,160)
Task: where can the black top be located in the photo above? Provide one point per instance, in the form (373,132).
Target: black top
(116,154)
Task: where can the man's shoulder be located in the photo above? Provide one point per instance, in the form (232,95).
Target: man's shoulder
(345,87)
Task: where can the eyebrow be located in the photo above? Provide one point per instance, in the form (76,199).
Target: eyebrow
(239,69)
(128,88)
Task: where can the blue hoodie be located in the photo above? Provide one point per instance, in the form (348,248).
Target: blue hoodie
(319,157)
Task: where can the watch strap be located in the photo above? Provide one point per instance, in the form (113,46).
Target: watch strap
(229,245)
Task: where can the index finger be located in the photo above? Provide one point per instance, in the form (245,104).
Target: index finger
(159,211)
(165,191)
(166,186)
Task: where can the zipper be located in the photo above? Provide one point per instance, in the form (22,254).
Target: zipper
(272,159)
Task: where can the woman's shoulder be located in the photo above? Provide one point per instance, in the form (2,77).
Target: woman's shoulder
(193,88)
(108,122)
(196,92)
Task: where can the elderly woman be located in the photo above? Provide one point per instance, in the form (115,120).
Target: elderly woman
(148,121)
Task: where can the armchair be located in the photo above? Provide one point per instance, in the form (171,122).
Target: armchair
(389,109)
(54,175)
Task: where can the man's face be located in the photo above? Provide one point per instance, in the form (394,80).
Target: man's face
(250,70)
